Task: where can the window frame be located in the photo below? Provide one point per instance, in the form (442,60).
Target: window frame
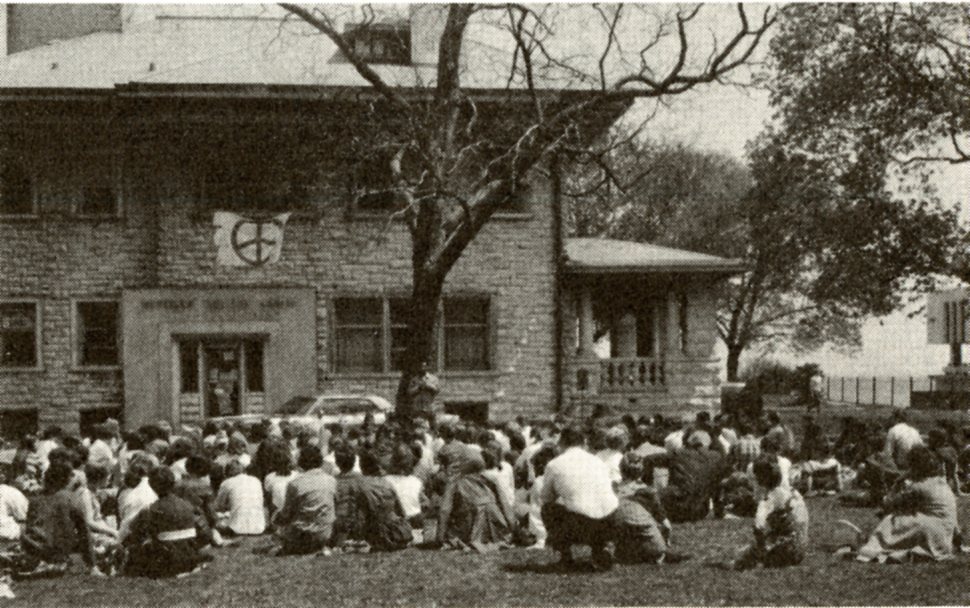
(115,182)
(76,336)
(38,336)
(34,213)
(438,338)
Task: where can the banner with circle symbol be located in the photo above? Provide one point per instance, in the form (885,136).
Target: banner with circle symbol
(248,242)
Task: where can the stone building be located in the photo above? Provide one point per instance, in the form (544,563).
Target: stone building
(126,131)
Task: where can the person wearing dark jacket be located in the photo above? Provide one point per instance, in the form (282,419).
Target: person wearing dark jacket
(55,526)
(167,537)
(694,480)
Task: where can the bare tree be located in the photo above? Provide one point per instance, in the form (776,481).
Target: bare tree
(454,163)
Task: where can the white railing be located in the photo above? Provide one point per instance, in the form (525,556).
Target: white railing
(633,374)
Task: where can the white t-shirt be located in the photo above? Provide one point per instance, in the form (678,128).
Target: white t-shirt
(275,487)
(408,489)
(612,459)
(13,511)
(580,482)
(131,503)
(241,497)
(504,480)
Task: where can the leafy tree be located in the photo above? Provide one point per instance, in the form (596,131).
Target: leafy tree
(454,165)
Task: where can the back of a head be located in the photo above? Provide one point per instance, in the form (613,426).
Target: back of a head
(923,464)
(162,481)
(572,436)
(345,457)
(310,458)
(543,457)
(632,466)
(234,467)
(198,465)
(57,476)
(96,474)
(767,472)
(52,433)
(369,464)
(402,459)
(773,418)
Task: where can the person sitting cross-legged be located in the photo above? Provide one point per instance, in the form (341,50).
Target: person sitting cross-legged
(167,537)
(642,527)
(239,502)
(578,502)
(55,526)
(305,522)
(780,522)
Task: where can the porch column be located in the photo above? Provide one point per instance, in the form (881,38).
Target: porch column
(586,328)
(656,313)
(673,322)
(625,334)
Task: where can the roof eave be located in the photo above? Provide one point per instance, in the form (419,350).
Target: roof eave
(725,269)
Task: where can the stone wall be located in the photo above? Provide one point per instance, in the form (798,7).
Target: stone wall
(160,240)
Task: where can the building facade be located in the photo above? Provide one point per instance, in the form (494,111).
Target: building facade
(122,144)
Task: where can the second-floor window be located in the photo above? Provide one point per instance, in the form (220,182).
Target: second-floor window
(371,334)
(97,334)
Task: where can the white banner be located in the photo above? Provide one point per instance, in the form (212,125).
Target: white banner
(245,242)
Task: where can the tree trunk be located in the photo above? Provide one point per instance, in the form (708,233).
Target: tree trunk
(417,356)
(733,361)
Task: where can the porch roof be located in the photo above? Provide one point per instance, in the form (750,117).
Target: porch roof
(600,255)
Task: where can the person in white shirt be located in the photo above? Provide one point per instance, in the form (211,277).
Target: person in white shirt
(240,502)
(578,501)
(13,512)
(137,495)
(500,473)
(616,439)
(901,439)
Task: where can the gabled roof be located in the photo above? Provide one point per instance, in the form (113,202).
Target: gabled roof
(189,50)
(600,255)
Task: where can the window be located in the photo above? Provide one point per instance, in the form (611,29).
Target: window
(466,330)
(381,43)
(15,424)
(97,334)
(254,365)
(358,324)
(400,309)
(97,199)
(16,192)
(371,334)
(18,334)
(189,366)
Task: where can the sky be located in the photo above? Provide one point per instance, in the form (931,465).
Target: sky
(723,119)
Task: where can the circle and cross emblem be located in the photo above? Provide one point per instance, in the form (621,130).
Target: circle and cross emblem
(257,249)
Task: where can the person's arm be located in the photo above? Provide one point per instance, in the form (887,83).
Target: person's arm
(221,503)
(84,537)
(547,494)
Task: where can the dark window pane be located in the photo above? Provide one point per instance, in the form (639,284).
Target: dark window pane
(358,311)
(254,366)
(98,333)
(358,349)
(97,200)
(466,348)
(18,337)
(466,311)
(16,194)
(189,364)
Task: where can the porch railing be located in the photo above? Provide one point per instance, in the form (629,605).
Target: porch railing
(640,373)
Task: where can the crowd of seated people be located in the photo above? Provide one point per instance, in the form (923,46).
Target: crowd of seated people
(157,502)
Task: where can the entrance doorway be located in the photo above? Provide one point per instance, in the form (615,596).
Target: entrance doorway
(222,365)
(219,374)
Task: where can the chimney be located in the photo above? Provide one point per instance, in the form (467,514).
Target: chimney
(427,25)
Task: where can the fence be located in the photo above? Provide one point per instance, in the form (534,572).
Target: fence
(875,390)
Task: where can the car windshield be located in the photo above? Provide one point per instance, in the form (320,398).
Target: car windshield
(344,406)
(296,405)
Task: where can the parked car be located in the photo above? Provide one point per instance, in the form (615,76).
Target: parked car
(323,410)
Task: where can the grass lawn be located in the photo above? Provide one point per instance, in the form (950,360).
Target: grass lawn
(516,577)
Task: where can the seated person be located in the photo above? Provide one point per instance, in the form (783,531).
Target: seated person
(305,522)
(348,524)
(384,526)
(921,519)
(472,512)
(534,515)
(167,537)
(822,472)
(694,479)
(780,523)
(939,444)
(103,536)
(55,525)
(642,527)
(195,488)
(239,502)
(408,487)
(578,502)
(13,512)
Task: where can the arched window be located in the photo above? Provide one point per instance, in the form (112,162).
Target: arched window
(16,194)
